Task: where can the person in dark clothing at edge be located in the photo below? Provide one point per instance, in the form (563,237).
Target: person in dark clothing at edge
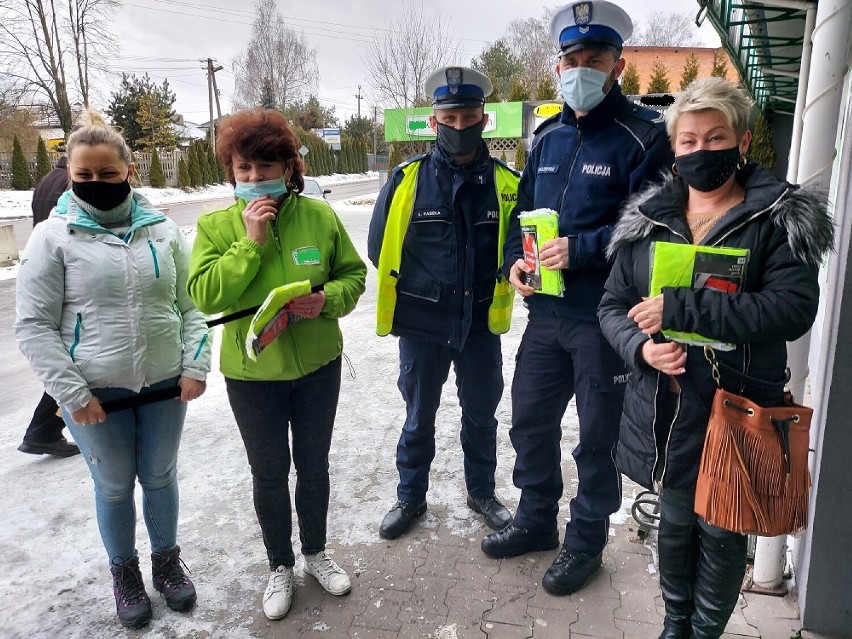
(436,238)
(44,434)
(584,163)
(716,198)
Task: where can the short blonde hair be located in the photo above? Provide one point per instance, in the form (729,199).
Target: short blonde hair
(711,94)
(92,129)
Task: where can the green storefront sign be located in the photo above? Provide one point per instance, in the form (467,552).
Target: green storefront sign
(403,125)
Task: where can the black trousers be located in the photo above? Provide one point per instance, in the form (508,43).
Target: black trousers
(267,414)
(45,426)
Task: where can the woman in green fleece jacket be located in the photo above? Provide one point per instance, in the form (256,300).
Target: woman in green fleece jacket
(272,236)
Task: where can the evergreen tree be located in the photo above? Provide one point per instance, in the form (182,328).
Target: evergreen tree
(126,103)
(659,82)
(545,89)
(156,177)
(395,158)
(690,71)
(195,178)
(518,92)
(630,80)
(495,95)
(203,164)
(155,126)
(214,166)
(720,64)
(42,161)
(21,178)
(520,157)
(184,180)
(762,149)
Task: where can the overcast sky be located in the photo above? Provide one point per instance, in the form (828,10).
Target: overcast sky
(169,38)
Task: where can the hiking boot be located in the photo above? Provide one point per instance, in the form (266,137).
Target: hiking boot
(132,604)
(170,579)
(331,577)
(279,593)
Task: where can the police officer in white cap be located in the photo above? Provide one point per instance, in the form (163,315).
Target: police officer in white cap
(436,241)
(583,163)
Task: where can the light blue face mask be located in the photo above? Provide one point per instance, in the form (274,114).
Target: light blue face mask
(583,87)
(249,191)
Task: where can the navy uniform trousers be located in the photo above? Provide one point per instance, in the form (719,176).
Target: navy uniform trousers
(423,370)
(558,358)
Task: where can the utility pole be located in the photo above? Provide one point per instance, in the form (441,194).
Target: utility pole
(375,146)
(211,91)
(359,96)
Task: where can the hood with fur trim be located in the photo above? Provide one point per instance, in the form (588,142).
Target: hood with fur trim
(802,213)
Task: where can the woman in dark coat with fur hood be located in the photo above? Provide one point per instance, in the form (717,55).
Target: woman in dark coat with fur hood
(715,198)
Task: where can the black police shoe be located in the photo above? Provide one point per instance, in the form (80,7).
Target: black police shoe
(59,448)
(497,516)
(570,571)
(513,541)
(399,519)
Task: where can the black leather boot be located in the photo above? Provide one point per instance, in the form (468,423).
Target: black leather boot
(718,579)
(677,548)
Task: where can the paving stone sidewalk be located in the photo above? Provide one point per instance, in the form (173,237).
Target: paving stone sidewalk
(432,583)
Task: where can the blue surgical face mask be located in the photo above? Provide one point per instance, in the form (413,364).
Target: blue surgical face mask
(583,87)
(252,190)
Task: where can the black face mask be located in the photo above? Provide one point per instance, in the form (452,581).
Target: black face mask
(103,196)
(459,142)
(707,170)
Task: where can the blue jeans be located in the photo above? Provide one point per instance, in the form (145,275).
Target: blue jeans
(267,413)
(138,442)
(423,369)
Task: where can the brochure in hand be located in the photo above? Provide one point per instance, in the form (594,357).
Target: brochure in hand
(537,227)
(719,268)
(272,318)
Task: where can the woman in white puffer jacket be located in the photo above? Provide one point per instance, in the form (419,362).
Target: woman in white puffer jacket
(103,314)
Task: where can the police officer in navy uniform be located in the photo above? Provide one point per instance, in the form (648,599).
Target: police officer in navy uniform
(584,162)
(435,240)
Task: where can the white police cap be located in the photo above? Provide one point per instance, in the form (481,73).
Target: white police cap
(458,87)
(594,24)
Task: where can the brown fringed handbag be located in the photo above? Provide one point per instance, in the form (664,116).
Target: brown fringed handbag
(754,476)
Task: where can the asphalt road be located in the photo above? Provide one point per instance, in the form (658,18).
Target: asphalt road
(187,214)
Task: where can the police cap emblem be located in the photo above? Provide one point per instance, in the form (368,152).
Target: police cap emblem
(582,13)
(454,78)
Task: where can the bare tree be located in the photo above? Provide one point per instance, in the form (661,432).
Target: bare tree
(665,29)
(412,48)
(277,62)
(530,41)
(91,37)
(39,37)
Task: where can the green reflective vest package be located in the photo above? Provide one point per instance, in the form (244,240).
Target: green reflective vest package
(720,269)
(538,227)
(273,318)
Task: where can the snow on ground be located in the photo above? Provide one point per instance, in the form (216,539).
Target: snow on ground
(16,204)
(55,580)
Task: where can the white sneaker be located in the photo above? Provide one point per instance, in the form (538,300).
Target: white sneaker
(279,593)
(331,577)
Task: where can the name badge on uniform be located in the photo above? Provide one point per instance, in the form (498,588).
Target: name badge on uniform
(307,256)
(548,169)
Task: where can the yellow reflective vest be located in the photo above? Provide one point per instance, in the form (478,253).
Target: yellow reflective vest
(399,216)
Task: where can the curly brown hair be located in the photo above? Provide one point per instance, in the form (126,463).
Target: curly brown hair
(259,134)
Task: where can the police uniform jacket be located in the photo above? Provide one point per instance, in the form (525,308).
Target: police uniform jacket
(449,255)
(584,168)
(787,232)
